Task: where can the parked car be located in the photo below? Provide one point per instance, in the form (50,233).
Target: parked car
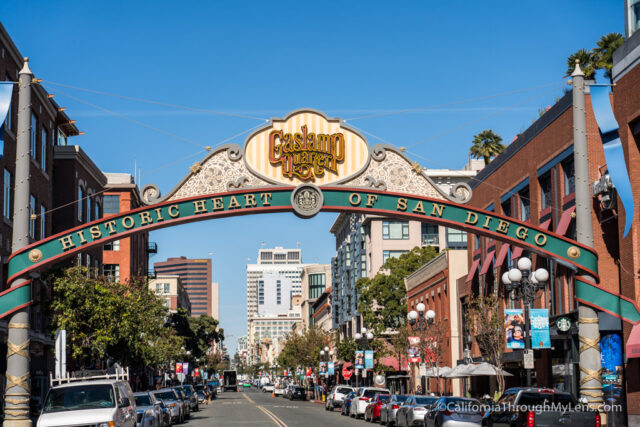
(362,398)
(171,400)
(524,406)
(184,402)
(297,392)
(455,412)
(268,388)
(388,410)
(413,410)
(108,402)
(191,395)
(336,396)
(149,411)
(279,390)
(372,411)
(346,403)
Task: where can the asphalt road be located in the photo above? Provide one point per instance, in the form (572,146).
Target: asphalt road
(253,408)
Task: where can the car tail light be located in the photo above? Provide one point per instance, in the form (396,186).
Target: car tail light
(598,422)
(531,419)
(394,406)
(447,413)
(546,390)
(366,399)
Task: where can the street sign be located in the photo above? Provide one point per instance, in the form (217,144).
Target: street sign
(528,359)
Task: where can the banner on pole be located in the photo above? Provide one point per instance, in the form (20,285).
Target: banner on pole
(514,327)
(414,349)
(368,359)
(323,368)
(359,359)
(178,368)
(540,337)
(331,369)
(185,368)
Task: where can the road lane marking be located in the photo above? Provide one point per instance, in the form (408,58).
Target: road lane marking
(268,413)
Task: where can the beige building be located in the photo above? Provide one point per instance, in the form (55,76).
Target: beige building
(316,278)
(170,289)
(435,285)
(266,335)
(215,301)
(321,311)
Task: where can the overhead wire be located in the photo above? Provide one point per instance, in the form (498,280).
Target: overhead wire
(163,104)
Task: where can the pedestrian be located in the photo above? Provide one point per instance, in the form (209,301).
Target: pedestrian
(419,389)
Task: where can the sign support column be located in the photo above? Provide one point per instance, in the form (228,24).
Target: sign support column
(18,389)
(588,328)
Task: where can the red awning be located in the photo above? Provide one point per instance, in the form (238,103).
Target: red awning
(633,343)
(472,271)
(502,255)
(565,220)
(487,262)
(517,252)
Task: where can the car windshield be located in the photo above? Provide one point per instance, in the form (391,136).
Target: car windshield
(401,398)
(370,393)
(384,398)
(343,390)
(535,399)
(168,395)
(80,397)
(143,400)
(425,400)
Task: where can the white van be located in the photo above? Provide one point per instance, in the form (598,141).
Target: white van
(103,403)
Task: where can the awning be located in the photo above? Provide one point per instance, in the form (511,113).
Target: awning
(633,343)
(487,262)
(517,252)
(565,220)
(472,271)
(502,255)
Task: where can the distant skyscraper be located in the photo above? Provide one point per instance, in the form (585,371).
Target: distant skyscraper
(195,275)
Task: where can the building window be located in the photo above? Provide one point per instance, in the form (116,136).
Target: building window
(456,239)
(391,254)
(62,138)
(43,149)
(163,288)
(96,206)
(506,207)
(32,217)
(569,175)
(7,194)
(111,204)
(8,121)
(316,285)
(33,134)
(525,204)
(43,222)
(395,230)
(278,292)
(112,246)
(80,203)
(112,272)
(429,234)
(545,190)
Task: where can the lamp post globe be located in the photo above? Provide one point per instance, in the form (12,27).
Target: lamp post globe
(515,275)
(413,315)
(505,278)
(357,336)
(326,349)
(431,314)
(541,274)
(363,330)
(321,352)
(331,353)
(369,336)
(524,264)
(421,307)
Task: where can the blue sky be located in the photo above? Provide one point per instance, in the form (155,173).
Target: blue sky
(264,59)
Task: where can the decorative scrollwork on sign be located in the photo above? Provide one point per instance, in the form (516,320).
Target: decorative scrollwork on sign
(461,192)
(378,152)
(234,152)
(151,193)
(374,183)
(238,183)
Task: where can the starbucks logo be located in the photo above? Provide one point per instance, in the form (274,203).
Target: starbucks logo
(307,200)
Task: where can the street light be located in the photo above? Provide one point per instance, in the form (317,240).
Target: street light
(362,339)
(522,283)
(423,320)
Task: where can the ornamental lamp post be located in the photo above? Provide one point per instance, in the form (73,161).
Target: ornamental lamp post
(423,320)
(363,341)
(522,283)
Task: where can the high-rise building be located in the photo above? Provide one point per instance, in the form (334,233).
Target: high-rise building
(215,300)
(195,275)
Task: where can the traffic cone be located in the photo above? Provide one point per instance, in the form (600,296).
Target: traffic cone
(273,393)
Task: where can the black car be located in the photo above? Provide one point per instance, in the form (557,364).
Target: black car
(297,392)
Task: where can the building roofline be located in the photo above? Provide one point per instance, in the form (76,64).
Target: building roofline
(524,138)
(75,152)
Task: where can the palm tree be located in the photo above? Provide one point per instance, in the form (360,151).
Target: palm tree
(603,54)
(587,64)
(486,144)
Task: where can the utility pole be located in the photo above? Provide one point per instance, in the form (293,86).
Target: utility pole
(18,389)
(588,328)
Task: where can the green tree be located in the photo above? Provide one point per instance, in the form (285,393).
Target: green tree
(400,343)
(486,144)
(382,299)
(346,349)
(587,62)
(603,52)
(303,349)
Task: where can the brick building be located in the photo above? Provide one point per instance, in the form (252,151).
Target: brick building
(195,275)
(125,258)
(435,285)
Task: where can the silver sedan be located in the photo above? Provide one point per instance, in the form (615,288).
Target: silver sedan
(454,412)
(389,410)
(412,412)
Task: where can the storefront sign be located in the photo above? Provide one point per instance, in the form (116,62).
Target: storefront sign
(539,320)
(564,324)
(368,359)
(359,363)
(514,328)
(414,349)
